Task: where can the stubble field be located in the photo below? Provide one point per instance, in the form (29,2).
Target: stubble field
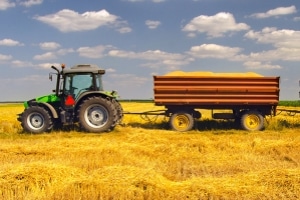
(145,160)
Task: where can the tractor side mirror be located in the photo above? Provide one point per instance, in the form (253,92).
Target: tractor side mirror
(50,77)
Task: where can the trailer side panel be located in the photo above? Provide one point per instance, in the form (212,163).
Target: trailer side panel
(210,91)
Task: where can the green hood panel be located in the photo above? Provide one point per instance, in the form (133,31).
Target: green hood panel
(43,99)
(48,98)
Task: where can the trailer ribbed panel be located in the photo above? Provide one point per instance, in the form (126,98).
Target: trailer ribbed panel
(210,90)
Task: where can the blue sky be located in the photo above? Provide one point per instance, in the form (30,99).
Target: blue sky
(136,39)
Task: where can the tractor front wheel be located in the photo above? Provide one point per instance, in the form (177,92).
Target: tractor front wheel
(36,119)
(96,115)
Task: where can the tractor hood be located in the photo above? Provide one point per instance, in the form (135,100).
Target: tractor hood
(43,99)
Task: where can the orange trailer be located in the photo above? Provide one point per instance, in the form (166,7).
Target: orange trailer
(249,97)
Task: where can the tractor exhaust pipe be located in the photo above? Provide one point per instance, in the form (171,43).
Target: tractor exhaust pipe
(57,80)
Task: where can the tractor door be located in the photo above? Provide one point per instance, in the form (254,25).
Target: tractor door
(76,84)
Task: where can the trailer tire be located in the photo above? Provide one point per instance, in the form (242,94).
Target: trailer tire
(252,121)
(181,121)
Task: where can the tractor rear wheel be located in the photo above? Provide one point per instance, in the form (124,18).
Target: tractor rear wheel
(36,119)
(182,121)
(119,109)
(97,114)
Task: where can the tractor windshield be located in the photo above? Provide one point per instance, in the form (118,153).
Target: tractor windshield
(75,84)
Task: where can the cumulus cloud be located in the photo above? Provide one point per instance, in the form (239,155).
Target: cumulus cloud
(110,70)
(5,4)
(152,24)
(49,45)
(259,65)
(128,79)
(286,43)
(154,58)
(20,63)
(154,1)
(278,38)
(30,3)
(70,21)
(276,12)
(94,52)
(10,42)
(53,55)
(45,56)
(214,51)
(214,26)
(5,57)
(48,65)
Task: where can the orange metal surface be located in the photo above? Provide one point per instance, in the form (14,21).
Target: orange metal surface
(210,90)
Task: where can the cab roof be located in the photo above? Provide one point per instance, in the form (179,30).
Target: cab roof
(84,68)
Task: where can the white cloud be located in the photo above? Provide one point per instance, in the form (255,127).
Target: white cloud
(45,56)
(154,1)
(158,1)
(10,42)
(214,51)
(48,65)
(124,30)
(278,38)
(70,21)
(260,65)
(93,52)
(30,3)
(155,58)
(49,45)
(276,12)
(5,57)
(5,4)
(19,63)
(62,52)
(53,55)
(146,55)
(152,24)
(285,54)
(128,80)
(110,70)
(286,43)
(214,26)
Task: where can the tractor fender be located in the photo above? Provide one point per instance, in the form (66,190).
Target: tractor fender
(51,108)
(88,94)
(92,93)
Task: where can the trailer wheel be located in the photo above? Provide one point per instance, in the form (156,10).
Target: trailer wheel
(181,121)
(252,121)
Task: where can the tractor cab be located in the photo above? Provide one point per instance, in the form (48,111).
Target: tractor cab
(80,79)
(77,81)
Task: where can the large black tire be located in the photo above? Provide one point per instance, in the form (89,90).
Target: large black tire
(181,121)
(36,119)
(252,120)
(97,114)
(119,117)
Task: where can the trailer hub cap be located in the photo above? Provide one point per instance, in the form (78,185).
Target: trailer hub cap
(181,122)
(252,121)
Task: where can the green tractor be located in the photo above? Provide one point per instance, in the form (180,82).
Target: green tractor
(79,98)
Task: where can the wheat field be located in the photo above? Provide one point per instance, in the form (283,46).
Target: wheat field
(144,160)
